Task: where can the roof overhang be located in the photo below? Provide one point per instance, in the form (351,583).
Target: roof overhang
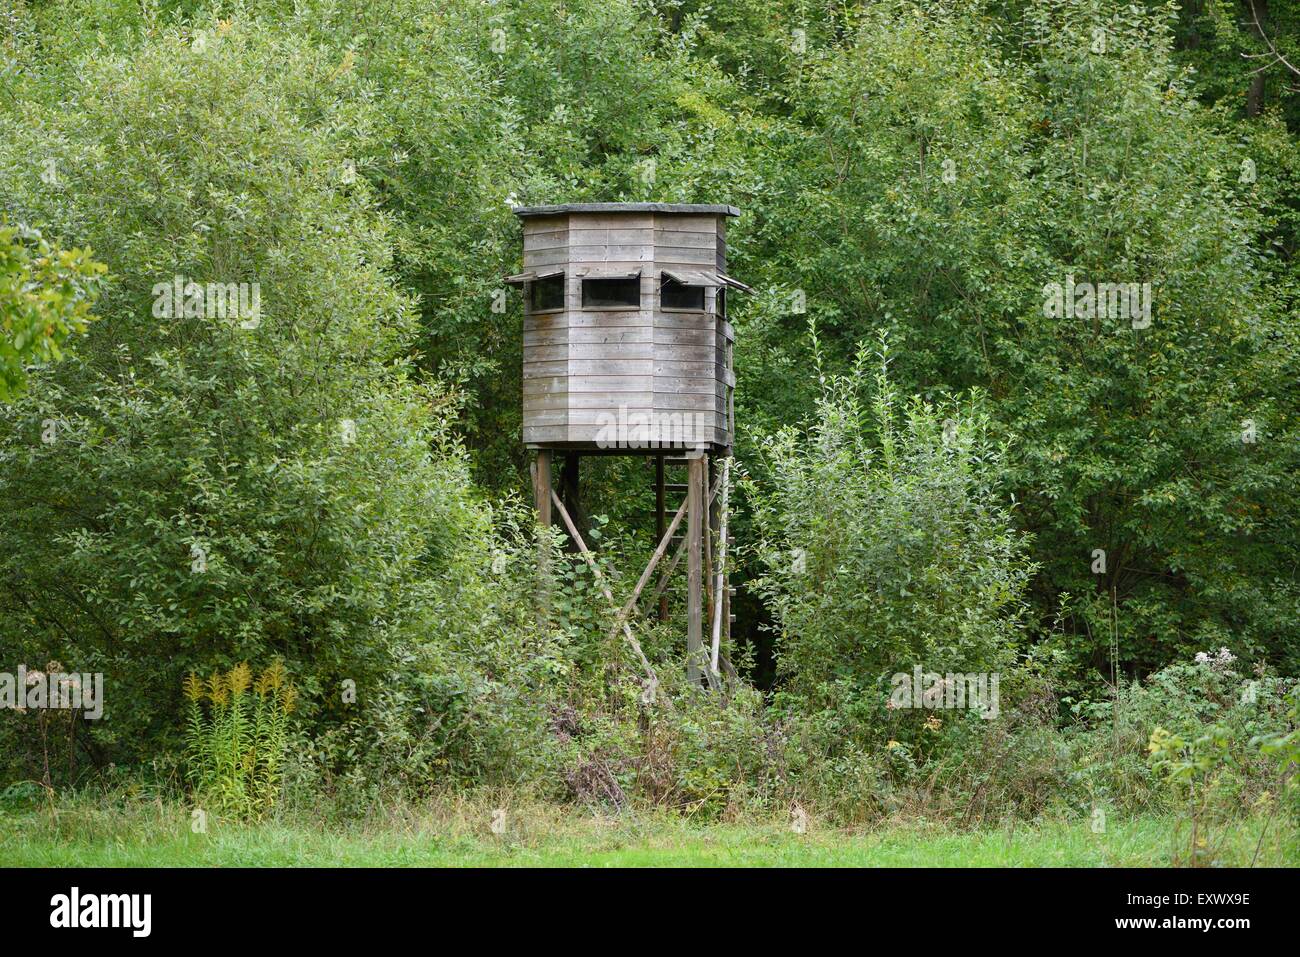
(597,271)
(694,277)
(696,209)
(531,275)
(734,283)
(691,277)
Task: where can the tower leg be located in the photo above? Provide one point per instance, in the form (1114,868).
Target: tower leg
(570,492)
(696,494)
(542,485)
(542,497)
(711,513)
(659,525)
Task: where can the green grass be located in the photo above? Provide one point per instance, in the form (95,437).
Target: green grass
(160,835)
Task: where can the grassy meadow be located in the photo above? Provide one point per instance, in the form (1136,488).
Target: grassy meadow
(460,833)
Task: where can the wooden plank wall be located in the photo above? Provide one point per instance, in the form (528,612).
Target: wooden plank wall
(581,365)
(686,368)
(546,401)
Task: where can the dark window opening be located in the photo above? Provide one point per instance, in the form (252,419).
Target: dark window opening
(675,295)
(722,303)
(546,294)
(617,292)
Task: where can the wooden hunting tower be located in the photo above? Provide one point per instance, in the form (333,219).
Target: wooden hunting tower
(627,351)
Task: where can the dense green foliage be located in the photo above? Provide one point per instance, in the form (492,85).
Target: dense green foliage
(903,539)
(217,489)
(45,296)
(326,467)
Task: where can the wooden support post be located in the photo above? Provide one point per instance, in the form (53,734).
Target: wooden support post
(542,486)
(726,606)
(570,490)
(710,517)
(659,525)
(542,497)
(695,468)
(720,586)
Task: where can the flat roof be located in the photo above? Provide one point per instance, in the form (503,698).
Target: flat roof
(696,208)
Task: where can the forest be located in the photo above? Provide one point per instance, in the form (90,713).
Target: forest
(1017,396)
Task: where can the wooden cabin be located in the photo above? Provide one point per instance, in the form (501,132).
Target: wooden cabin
(627,347)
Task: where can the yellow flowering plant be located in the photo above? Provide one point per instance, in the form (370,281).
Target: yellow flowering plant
(236,728)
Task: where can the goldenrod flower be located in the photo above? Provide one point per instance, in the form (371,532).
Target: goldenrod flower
(193,687)
(241,676)
(217,690)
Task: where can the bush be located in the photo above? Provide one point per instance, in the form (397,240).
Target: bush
(1109,744)
(1283,746)
(45,297)
(281,483)
(884,546)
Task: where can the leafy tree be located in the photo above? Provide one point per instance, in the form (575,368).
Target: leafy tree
(944,187)
(272,481)
(45,297)
(921,170)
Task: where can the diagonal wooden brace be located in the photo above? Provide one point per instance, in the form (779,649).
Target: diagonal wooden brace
(630,606)
(635,645)
(677,556)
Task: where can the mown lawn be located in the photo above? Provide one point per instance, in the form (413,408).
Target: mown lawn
(161,836)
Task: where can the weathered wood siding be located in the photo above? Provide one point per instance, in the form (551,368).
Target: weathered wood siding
(585,368)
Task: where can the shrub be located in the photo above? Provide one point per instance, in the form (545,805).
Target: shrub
(472,679)
(884,545)
(221,489)
(1205,700)
(1283,746)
